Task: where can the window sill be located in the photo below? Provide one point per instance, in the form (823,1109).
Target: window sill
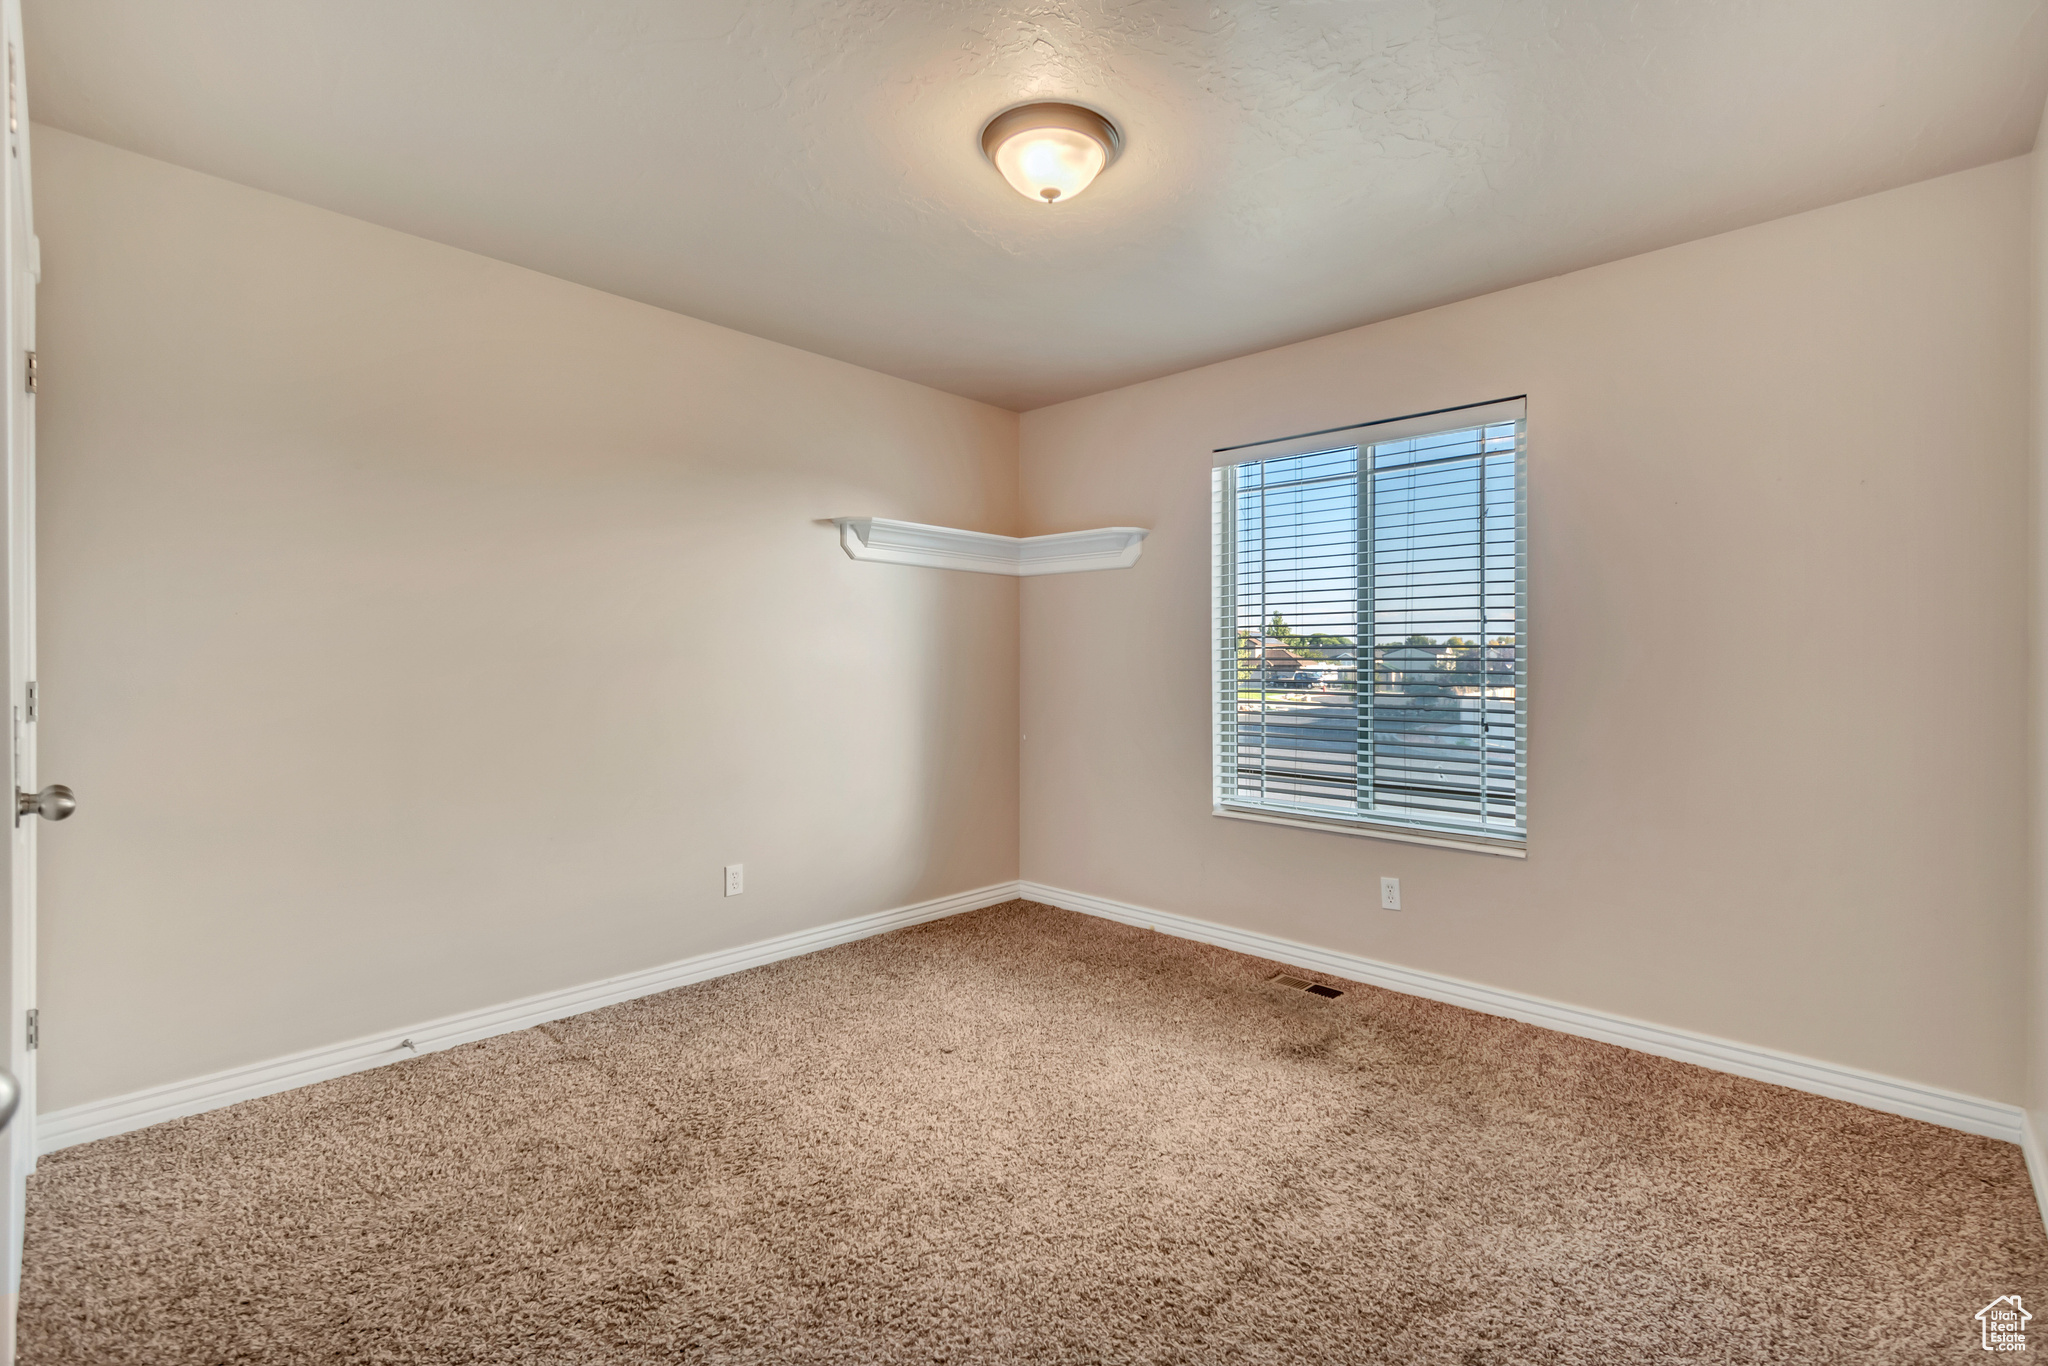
(1498,848)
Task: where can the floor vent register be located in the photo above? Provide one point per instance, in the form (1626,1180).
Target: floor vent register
(1303,984)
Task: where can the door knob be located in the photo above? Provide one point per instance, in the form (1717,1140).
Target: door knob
(53,803)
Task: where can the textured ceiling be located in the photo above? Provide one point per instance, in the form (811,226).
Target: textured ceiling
(808,171)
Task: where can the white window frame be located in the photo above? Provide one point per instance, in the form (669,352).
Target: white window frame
(1224,626)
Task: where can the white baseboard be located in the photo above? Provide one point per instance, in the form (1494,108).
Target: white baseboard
(2037,1162)
(1951,1109)
(120,1114)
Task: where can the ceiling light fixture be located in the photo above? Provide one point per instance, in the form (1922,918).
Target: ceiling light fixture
(1050,152)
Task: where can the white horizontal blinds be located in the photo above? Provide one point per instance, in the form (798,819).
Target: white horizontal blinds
(1290,633)
(1223,616)
(1445,720)
(1401,558)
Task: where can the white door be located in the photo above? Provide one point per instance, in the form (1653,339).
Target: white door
(18,982)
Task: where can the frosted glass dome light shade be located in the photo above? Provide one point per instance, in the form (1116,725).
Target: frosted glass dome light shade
(1050,164)
(1050,152)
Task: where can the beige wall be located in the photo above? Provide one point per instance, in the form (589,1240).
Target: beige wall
(1778,580)
(2037,678)
(420,632)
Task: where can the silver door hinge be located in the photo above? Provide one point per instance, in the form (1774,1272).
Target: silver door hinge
(35,1029)
(31,377)
(30,698)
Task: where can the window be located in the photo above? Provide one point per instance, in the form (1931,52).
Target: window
(1371,628)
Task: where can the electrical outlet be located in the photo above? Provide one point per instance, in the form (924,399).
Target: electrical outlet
(735,878)
(1390,894)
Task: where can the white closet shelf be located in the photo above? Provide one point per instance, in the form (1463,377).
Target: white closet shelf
(943,547)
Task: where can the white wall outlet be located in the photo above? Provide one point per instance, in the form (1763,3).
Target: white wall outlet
(735,878)
(1390,894)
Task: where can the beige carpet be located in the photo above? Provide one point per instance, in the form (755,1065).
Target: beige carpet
(1022,1135)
